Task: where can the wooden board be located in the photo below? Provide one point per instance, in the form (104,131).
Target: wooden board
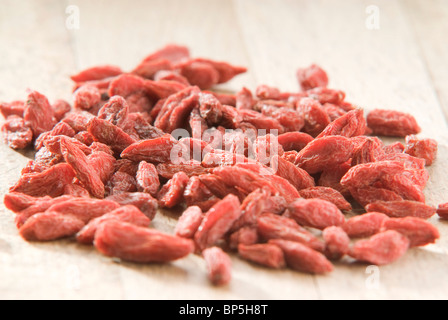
(402,65)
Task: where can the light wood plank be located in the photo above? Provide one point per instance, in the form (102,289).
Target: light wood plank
(429,23)
(378,69)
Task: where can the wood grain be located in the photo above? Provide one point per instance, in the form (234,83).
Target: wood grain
(400,66)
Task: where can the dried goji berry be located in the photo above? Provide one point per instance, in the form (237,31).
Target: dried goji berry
(143,201)
(245,99)
(312,77)
(364,225)
(302,258)
(86,97)
(351,124)
(419,232)
(272,226)
(138,244)
(14,108)
(392,123)
(85,172)
(49,226)
(315,213)
(121,182)
(298,177)
(265,254)
(331,178)
(200,74)
(127,213)
(50,182)
(327,194)
(148,178)
(38,114)
(396,147)
(324,152)
(337,243)
(401,209)
(421,148)
(152,150)
(189,222)
(16,134)
(316,119)
(217,221)
(290,119)
(246,235)
(97,73)
(442,210)
(115,111)
(172,192)
(382,249)
(105,132)
(219,266)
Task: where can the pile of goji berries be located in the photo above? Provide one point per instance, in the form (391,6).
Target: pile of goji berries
(268,174)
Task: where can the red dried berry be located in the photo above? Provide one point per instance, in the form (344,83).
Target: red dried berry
(105,132)
(85,172)
(172,192)
(246,235)
(49,226)
(219,266)
(38,114)
(271,226)
(97,73)
(324,152)
(316,119)
(14,108)
(442,210)
(127,213)
(419,232)
(365,225)
(424,148)
(137,244)
(217,221)
(401,209)
(392,123)
(382,249)
(16,134)
(189,222)
(315,213)
(50,182)
(294,140)
(312,77)
(265,254)
(116,111)
(302,258)
(367,195)
(153,150)
(298,177)
(351,124)
(337,243)
(148,178)
(86,97)
(143,201)
(328,194)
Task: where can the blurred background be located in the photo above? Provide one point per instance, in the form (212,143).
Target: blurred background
(377,50)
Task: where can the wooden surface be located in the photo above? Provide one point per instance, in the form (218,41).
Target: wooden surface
(402,65)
